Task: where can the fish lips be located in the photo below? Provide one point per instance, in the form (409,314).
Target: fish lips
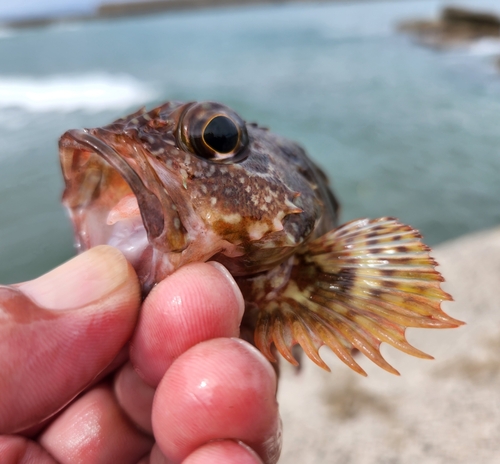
(95,172)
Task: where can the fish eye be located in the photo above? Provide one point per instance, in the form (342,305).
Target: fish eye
(221,134)
(213,132)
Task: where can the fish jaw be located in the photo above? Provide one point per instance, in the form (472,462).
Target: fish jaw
(113,197)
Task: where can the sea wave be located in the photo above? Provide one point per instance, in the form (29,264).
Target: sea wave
(485,47)
(6,33)
(66,93)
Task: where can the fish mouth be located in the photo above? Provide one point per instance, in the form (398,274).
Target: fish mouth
(115,198)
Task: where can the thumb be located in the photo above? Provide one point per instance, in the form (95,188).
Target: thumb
(58,332)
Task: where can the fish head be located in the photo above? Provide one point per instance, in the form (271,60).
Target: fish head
(189,182)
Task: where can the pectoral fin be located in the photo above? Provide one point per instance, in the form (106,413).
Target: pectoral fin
(357,286)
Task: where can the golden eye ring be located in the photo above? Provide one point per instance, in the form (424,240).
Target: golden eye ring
(223,135)
(213,132)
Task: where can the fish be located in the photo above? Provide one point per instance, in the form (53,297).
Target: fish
(192,182)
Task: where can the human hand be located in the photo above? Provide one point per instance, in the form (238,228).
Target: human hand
(69,392)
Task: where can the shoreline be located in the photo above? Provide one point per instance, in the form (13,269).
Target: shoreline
(150,7)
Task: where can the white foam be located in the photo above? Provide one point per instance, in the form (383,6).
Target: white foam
(485,47)
(90,92)
(6,33)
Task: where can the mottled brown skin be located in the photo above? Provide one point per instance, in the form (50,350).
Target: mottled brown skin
(275,188)
(253,201)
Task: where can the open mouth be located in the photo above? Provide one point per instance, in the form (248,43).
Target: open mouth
(105,197)
(116,195)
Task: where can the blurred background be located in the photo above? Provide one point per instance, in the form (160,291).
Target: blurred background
(401,129)
(399,101)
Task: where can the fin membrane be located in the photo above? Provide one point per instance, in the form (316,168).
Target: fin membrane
(357,286)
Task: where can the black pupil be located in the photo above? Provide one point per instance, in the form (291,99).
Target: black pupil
(221,134)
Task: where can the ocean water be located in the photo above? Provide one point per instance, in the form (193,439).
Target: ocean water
(401,130)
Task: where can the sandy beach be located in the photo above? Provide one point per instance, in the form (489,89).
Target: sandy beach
(441,411)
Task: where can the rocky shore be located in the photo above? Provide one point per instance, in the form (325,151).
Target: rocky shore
(438,412)
(119,9)
(455,27)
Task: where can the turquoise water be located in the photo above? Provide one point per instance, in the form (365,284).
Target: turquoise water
(401,130)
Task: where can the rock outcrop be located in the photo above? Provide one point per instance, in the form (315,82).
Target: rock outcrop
(455,27)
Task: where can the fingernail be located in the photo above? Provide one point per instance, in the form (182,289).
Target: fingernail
(81,281)
(236,290)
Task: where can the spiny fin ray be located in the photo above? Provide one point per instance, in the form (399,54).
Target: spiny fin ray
(357,286)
